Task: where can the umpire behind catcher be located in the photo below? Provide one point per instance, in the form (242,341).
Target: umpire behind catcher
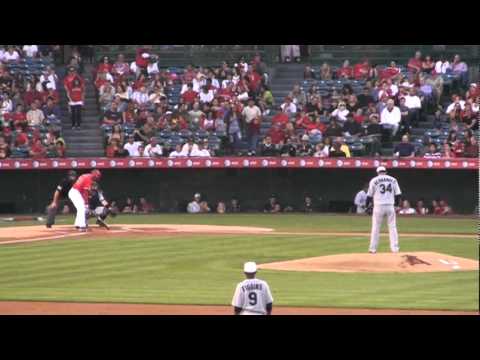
(61,193)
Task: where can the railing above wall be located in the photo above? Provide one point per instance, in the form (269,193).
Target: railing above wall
(239,162)
(193,53)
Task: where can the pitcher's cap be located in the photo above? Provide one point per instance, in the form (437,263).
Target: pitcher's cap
(250,267)
(381,169)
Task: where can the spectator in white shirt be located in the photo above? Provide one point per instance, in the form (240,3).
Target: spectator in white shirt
(189,147)
(406,209)
(227,81)
(198,82)
(457,101)
(177,152)
(140,96)
(153,149)
(11,55)
(213,81)
(6,104)
(194,206)
(341,112)
(152,67)
(391,116)
(49,78)
(251,112)
(132,146)
(201,151)
(206,95)
(414,105)
(288,106)
(442,66)
(35,116)
(30,50)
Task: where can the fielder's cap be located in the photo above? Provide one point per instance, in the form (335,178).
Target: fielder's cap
(197,195)
(145,55)
(250,267)
(381,169)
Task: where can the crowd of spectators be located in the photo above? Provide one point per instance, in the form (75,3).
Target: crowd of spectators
(30,115)
(393,103)
(216,107)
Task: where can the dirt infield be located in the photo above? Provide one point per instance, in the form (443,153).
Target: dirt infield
(27,234)
(380,262)
(64,308)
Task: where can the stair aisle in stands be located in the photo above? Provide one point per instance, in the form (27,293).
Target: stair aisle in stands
(88,141)
(286,76)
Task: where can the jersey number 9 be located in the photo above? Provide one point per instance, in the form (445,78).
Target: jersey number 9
(253,298)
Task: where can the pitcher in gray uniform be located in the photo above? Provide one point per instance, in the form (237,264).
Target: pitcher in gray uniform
(385,192)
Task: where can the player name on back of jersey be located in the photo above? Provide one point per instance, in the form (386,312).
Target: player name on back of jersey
(383,179)
(252,286)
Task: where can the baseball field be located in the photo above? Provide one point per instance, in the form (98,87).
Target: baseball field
(190,264)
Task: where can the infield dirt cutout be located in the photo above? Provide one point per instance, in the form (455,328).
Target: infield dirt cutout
(411,262)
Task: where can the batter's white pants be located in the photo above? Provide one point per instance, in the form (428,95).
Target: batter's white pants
(79,203)
(379,212)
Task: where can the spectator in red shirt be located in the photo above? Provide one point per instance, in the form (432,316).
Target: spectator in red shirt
(189,96)
(105,66)
(471,147)
(141,60)
(21,140)
(31,94)
(76,95)
(361,70)
(37,150)
(276,134)
(415,63)
(69,79)
(442,208)
(346,71)
(281,118)
(19,118)
(428,65)
(391,71)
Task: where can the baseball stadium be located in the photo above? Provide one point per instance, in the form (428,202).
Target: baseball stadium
(239,179)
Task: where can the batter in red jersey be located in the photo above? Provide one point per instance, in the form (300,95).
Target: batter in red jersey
(79,194)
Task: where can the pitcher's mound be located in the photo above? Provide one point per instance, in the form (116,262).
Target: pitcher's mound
(380,262)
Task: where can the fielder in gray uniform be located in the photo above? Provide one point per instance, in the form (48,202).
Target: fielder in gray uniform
(252,296)
(386,193)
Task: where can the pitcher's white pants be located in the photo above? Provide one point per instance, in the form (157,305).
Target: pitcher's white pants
(379,212)
(79,203)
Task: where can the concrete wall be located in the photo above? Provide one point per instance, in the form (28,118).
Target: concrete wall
(169,189)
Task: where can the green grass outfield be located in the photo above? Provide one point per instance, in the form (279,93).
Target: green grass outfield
(204,269)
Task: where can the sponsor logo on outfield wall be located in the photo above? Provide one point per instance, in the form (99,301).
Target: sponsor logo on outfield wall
(236,162)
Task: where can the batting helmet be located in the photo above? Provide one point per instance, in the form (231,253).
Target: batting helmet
(96,174)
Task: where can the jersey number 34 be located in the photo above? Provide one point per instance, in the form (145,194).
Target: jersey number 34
(384,189)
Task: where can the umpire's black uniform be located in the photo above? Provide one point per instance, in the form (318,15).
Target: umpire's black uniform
(62,189)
